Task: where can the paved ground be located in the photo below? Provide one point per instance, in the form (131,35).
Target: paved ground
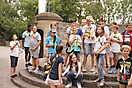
(5,81)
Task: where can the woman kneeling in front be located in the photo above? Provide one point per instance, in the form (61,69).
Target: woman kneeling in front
(74,72)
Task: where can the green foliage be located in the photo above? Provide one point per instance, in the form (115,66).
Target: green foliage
(67,9)
(28,10)
(110,10)
(15,16)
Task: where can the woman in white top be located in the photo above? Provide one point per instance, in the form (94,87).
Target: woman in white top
(73,72)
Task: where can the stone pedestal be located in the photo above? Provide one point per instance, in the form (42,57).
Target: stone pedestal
(43,21)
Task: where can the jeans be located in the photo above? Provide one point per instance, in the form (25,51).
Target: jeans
(99,60)
(71,77)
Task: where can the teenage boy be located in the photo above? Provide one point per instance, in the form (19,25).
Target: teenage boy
(25,44)
(115,45)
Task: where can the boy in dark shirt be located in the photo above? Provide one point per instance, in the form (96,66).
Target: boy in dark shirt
(124,66)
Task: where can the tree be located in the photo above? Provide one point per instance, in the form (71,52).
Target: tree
(9,22)
(28,9)
(67,9)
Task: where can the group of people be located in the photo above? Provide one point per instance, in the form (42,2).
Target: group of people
(95,40)
(31,40)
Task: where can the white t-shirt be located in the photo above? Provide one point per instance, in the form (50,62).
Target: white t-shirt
(74,68)
(77,37)
(99,42)
(15,51)
(115,47)
(91,31)
(106,29)
(69,31)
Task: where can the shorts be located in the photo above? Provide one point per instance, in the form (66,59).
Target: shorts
(77,55)
(107,49)
(35,53)
(49,55)
(26,50)
(14,61)
(113,55)
(88,48)
(55,82)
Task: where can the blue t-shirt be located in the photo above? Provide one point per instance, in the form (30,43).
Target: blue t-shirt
(49,40)
(54,71)
(79,32)
(48,34)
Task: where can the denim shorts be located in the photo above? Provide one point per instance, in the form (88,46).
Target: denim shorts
(14,61)
(77,55)
(88,48)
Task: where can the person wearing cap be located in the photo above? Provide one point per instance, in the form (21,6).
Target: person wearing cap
(115,41)
(25,44)
(52,27)
(35,41)
(127,36)
(124,66)
(51,42)
(89,42)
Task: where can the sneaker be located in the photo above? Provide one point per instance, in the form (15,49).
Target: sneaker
(110,70)
(107,66)
(15,76)
(84,69)
(114,70)
(79,85)
(68,85)
(32,69)
(36,70)
(102,82)
(92,69)
(97,80)
(29,64)
(26,65)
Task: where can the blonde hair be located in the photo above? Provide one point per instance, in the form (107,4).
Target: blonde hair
(126,47)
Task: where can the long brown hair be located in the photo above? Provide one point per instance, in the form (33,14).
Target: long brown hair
(71,63)
(96,34)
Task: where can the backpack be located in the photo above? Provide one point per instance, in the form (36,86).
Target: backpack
(48,67)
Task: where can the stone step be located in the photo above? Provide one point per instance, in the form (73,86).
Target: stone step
(22,84)
(89,83)
(91,76)
(24,75)
(107,77)
(37,81)
(85,82)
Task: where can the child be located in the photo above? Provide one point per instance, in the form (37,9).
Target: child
(35,41)
(14,50)
(124,66)
(115,43)
(54,78)
(100,50)
(89,42)
(76,43)
(74,72)
(51,42)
